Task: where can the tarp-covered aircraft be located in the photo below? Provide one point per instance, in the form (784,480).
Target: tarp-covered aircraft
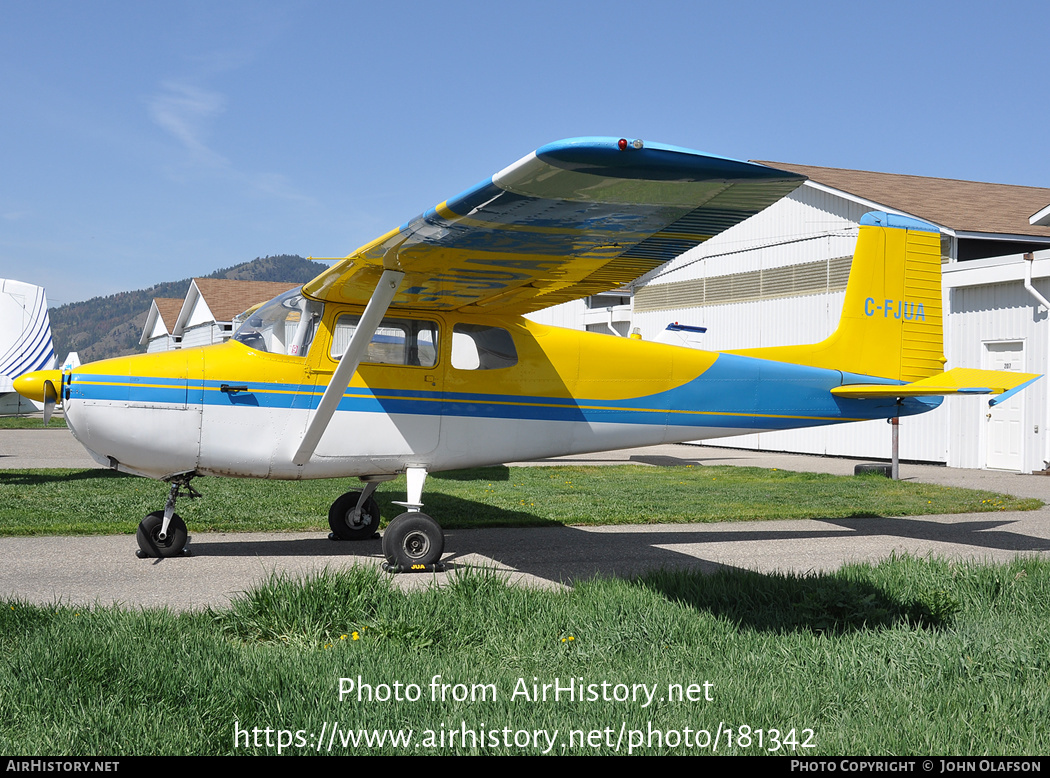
(25,340)
(411,355)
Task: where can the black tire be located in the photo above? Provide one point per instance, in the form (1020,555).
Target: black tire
(343,527)
(413,540)
(874,468)
(148,536)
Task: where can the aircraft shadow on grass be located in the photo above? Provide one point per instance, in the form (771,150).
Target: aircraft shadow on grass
(658,560)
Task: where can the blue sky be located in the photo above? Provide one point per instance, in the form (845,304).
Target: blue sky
(143,142)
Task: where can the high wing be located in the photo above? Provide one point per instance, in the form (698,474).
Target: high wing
(574,218)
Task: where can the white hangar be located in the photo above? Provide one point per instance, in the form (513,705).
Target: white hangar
(779,278)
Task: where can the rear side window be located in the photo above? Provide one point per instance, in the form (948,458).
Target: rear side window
(479,347)
(395,342)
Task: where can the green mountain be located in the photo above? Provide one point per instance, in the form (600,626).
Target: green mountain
(111,326)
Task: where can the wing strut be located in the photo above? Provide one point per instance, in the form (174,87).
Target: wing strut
(344,372)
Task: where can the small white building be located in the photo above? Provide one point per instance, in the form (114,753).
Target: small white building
(208,313)
(160,321)
(779,278)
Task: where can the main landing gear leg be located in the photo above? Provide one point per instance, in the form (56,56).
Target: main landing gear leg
(413,542)
(163,533)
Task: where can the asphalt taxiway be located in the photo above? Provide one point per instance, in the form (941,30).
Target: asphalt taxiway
(105,570)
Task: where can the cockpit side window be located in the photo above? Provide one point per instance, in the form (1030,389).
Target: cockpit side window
(285,325)
(480,347)
(410,342)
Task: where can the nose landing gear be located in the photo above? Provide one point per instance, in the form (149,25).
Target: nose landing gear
(163,533)
(155,543)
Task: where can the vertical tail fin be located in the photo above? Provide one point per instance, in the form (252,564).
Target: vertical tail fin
(891,324)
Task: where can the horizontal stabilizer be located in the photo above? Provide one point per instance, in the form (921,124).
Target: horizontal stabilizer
(959,380)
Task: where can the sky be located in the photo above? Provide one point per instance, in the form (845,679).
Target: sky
(143,142)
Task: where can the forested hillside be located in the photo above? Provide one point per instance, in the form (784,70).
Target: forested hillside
(111,326)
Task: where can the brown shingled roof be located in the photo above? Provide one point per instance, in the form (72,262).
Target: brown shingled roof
(966,206)
(227,298)
(168,308)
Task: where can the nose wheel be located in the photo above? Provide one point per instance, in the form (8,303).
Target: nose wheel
(154,544)
(163,533)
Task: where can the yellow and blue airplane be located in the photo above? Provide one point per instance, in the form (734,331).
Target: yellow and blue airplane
(411,355)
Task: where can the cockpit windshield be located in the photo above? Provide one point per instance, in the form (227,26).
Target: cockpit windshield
(285,325)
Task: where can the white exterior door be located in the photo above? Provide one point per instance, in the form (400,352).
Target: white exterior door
(1004,423)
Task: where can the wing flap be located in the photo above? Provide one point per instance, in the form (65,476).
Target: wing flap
(572,219)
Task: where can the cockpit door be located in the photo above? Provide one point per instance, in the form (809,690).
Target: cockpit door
(391,412)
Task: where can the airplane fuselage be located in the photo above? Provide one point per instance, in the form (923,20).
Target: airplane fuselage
(439,392)
(410,354)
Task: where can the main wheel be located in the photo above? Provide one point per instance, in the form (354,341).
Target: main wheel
(345,526)
(150,542)
(413,540)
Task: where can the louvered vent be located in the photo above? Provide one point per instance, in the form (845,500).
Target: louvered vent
(829,275)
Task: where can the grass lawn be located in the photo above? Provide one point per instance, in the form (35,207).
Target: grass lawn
(907,657)
(31,422)
(34,502)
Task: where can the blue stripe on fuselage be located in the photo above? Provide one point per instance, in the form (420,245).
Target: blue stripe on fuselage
(735,392)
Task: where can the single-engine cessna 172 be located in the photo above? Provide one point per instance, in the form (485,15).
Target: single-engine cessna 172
(411,354)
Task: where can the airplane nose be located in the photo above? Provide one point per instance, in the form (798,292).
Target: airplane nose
(34,386)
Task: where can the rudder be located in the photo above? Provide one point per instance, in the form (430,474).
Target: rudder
(891,325)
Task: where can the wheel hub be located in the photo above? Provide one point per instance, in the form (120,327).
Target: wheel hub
(162,539)
(357,518)
(416,545)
